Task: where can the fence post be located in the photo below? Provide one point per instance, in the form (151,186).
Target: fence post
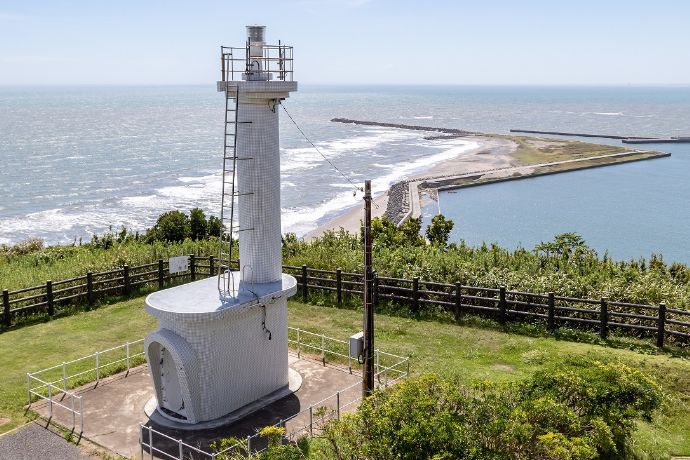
(337,404)
(323,349)
(192,267)
(376,289)
(349,362)
(378,363)
(179,444)
(661,326)
(127,355)
(74,413)
(160,274)
(64,376)
(604,319)
(151,442)
(211,266)
(502,305)
(457,308)
(49,298)
(28,383)
(98,367)
(81,414)
(305,290)
(125,276)
(249,446)
(50,400)
(299,345)
(6,318)
(89,290)
(311,420)
(415,294)
(339,286)
(551,323)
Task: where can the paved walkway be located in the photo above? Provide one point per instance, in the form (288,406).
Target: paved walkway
(33,442)
(114,409)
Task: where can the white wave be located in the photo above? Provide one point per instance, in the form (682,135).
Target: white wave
(302,220)
(424,117)
(609,114)
(341,185)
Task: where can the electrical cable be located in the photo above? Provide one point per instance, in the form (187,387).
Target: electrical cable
(357,189)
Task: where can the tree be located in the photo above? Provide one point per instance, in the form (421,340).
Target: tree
(437,233)
(410,230)
(214,226)
(198,226)
(563,244)
(386,234)
(171,226)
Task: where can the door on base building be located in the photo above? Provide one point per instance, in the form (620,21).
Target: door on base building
(171,395)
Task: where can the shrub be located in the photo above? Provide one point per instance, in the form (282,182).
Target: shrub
(437,233)
(579,410)
(172,226)
(214,226)
(198,225)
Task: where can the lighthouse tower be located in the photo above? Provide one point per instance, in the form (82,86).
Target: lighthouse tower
(221,348)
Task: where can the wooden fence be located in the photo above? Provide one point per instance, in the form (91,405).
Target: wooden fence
(658,321)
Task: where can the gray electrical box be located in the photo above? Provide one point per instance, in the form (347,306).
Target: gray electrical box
(356,344)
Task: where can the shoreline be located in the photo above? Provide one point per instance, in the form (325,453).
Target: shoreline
(494,158)
(488,153)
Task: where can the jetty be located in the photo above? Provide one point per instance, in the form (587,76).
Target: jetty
(624,139)
(453,132)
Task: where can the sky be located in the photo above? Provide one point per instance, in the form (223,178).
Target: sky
(487,42)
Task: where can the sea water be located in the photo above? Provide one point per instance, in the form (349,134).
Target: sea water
(77,160)
(631,210)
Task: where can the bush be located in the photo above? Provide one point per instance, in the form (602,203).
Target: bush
(579,410)
(22,248)
(198,225)
(437,233)
(172,226)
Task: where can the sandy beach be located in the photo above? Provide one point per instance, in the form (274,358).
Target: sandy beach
(488,153)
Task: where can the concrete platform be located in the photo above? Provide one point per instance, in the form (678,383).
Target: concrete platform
(114,409)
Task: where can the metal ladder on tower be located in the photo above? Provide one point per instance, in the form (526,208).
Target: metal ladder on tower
(230,193)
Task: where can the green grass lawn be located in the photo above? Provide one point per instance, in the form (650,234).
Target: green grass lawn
(474,352)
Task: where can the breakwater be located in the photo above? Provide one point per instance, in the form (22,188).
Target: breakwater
(452,131)
(624,139)
(473,180)
(398,202)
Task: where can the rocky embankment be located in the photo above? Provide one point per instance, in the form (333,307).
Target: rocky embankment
(398,202)
(455,132)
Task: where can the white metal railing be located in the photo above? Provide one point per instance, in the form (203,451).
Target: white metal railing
(55,397)
(147,444)
(53,383)
(389,368)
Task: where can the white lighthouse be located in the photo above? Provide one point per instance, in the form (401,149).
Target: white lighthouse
(221,347)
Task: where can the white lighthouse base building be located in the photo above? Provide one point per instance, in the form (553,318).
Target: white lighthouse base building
(210,359)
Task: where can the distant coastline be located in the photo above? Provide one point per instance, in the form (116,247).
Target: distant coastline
(494,158)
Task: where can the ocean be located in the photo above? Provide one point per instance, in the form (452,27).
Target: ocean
(78,160)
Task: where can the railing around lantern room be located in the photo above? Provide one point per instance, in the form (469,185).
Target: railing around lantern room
(238,64)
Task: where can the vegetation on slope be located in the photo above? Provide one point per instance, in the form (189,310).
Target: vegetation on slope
(565,266)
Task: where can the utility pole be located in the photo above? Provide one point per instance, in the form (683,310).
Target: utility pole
(368,371)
